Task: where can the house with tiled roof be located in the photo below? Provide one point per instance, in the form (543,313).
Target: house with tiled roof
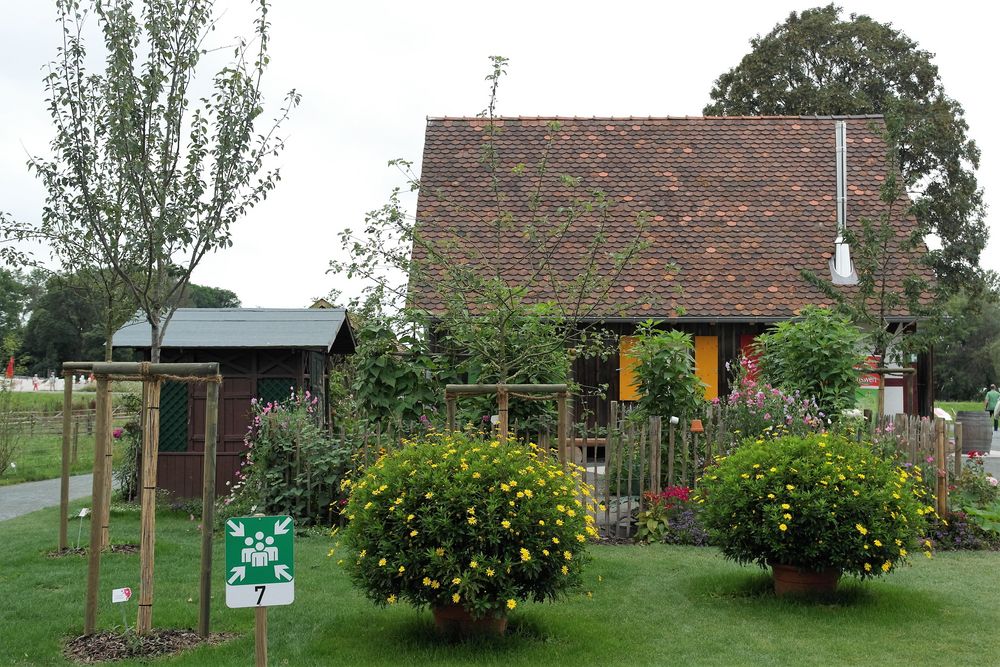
(735,208)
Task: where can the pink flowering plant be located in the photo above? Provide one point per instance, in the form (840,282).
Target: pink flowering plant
(756,409)
(816,502)
(977,495)
(453,519)
(292,465)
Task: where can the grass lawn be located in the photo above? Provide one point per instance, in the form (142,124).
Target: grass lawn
(40,457)
(654,606)
(955,406)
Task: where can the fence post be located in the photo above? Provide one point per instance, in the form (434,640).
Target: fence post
(942,469)
(450,403)
(76,441)
(670,454)
(958,450)
(503,401)
(609,457)
(96,512)
(684,452)
(147,534)
(66,441)
(109,452)
(655,438)
(561,427)
(208,505)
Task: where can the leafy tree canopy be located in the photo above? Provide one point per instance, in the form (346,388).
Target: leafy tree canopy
(817,63)
(967,357)
(202,296)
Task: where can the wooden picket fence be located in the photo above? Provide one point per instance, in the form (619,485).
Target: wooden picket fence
(631,457)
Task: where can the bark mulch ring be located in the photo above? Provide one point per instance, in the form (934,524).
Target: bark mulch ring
(111,646)
(82,551)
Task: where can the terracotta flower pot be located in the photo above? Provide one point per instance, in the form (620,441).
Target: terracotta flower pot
(789,579)
(454,619)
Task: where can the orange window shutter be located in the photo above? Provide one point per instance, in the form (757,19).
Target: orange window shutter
(706,364)
(628,383)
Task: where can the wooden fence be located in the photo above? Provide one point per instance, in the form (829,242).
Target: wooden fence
(632,457)
(35,423)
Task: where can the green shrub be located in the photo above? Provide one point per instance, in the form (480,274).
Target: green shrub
(292,465)
(450,519)
(815,502)
(668,386)
(817,355)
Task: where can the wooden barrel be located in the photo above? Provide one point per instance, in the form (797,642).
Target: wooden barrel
(977,430)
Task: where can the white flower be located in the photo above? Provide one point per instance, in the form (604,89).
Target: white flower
(13,465)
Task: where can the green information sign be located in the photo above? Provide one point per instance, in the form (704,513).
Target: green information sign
(260,565)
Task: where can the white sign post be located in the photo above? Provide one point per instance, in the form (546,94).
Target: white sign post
(119,595)
(84,511)
(260,569)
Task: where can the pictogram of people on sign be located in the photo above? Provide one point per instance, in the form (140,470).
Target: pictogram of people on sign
(259,551)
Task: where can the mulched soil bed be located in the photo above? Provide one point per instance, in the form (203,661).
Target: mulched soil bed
(616,541)
(111,646)
(82,551)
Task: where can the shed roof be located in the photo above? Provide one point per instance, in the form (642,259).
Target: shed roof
(328,329)
(735,207)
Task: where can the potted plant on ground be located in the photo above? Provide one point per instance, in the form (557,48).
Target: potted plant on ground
(814,507)
(467,527)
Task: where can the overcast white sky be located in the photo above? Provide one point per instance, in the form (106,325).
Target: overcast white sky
(371,72)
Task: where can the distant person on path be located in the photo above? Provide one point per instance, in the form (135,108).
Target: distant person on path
(992,399)
(34,382)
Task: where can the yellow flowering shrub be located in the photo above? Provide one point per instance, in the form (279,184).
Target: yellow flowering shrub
(450,518)
(816,502)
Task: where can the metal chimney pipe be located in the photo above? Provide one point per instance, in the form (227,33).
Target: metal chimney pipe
(842,266)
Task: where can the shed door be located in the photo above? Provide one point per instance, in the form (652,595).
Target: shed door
(628,383)
(234,415)
(706,364)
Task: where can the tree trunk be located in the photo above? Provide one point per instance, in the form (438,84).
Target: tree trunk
(109,333)
(154,344)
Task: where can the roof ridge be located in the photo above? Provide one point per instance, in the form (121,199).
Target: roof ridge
(658,118)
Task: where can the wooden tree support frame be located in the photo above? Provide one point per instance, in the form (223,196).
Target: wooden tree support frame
(558,392)
(152,376)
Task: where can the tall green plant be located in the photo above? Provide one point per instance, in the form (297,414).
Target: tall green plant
(144,178)
(292,466)
(817,355)
(668,386)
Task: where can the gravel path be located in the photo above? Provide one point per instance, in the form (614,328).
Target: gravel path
(18,499)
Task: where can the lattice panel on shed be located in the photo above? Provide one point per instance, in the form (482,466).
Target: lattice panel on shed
(174,417)
(274,389)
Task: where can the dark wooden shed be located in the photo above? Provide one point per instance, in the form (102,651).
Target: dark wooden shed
(263,353)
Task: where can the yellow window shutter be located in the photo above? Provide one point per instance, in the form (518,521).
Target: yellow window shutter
(628,383)
(706,364)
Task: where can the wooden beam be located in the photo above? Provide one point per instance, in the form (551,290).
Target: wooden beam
(147,531)
(96,512)
(109,452)
(208,506)
(130,368)
(475,389)
(67,439)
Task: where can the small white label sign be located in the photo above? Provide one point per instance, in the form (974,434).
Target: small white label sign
(84,512)
(121,595)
